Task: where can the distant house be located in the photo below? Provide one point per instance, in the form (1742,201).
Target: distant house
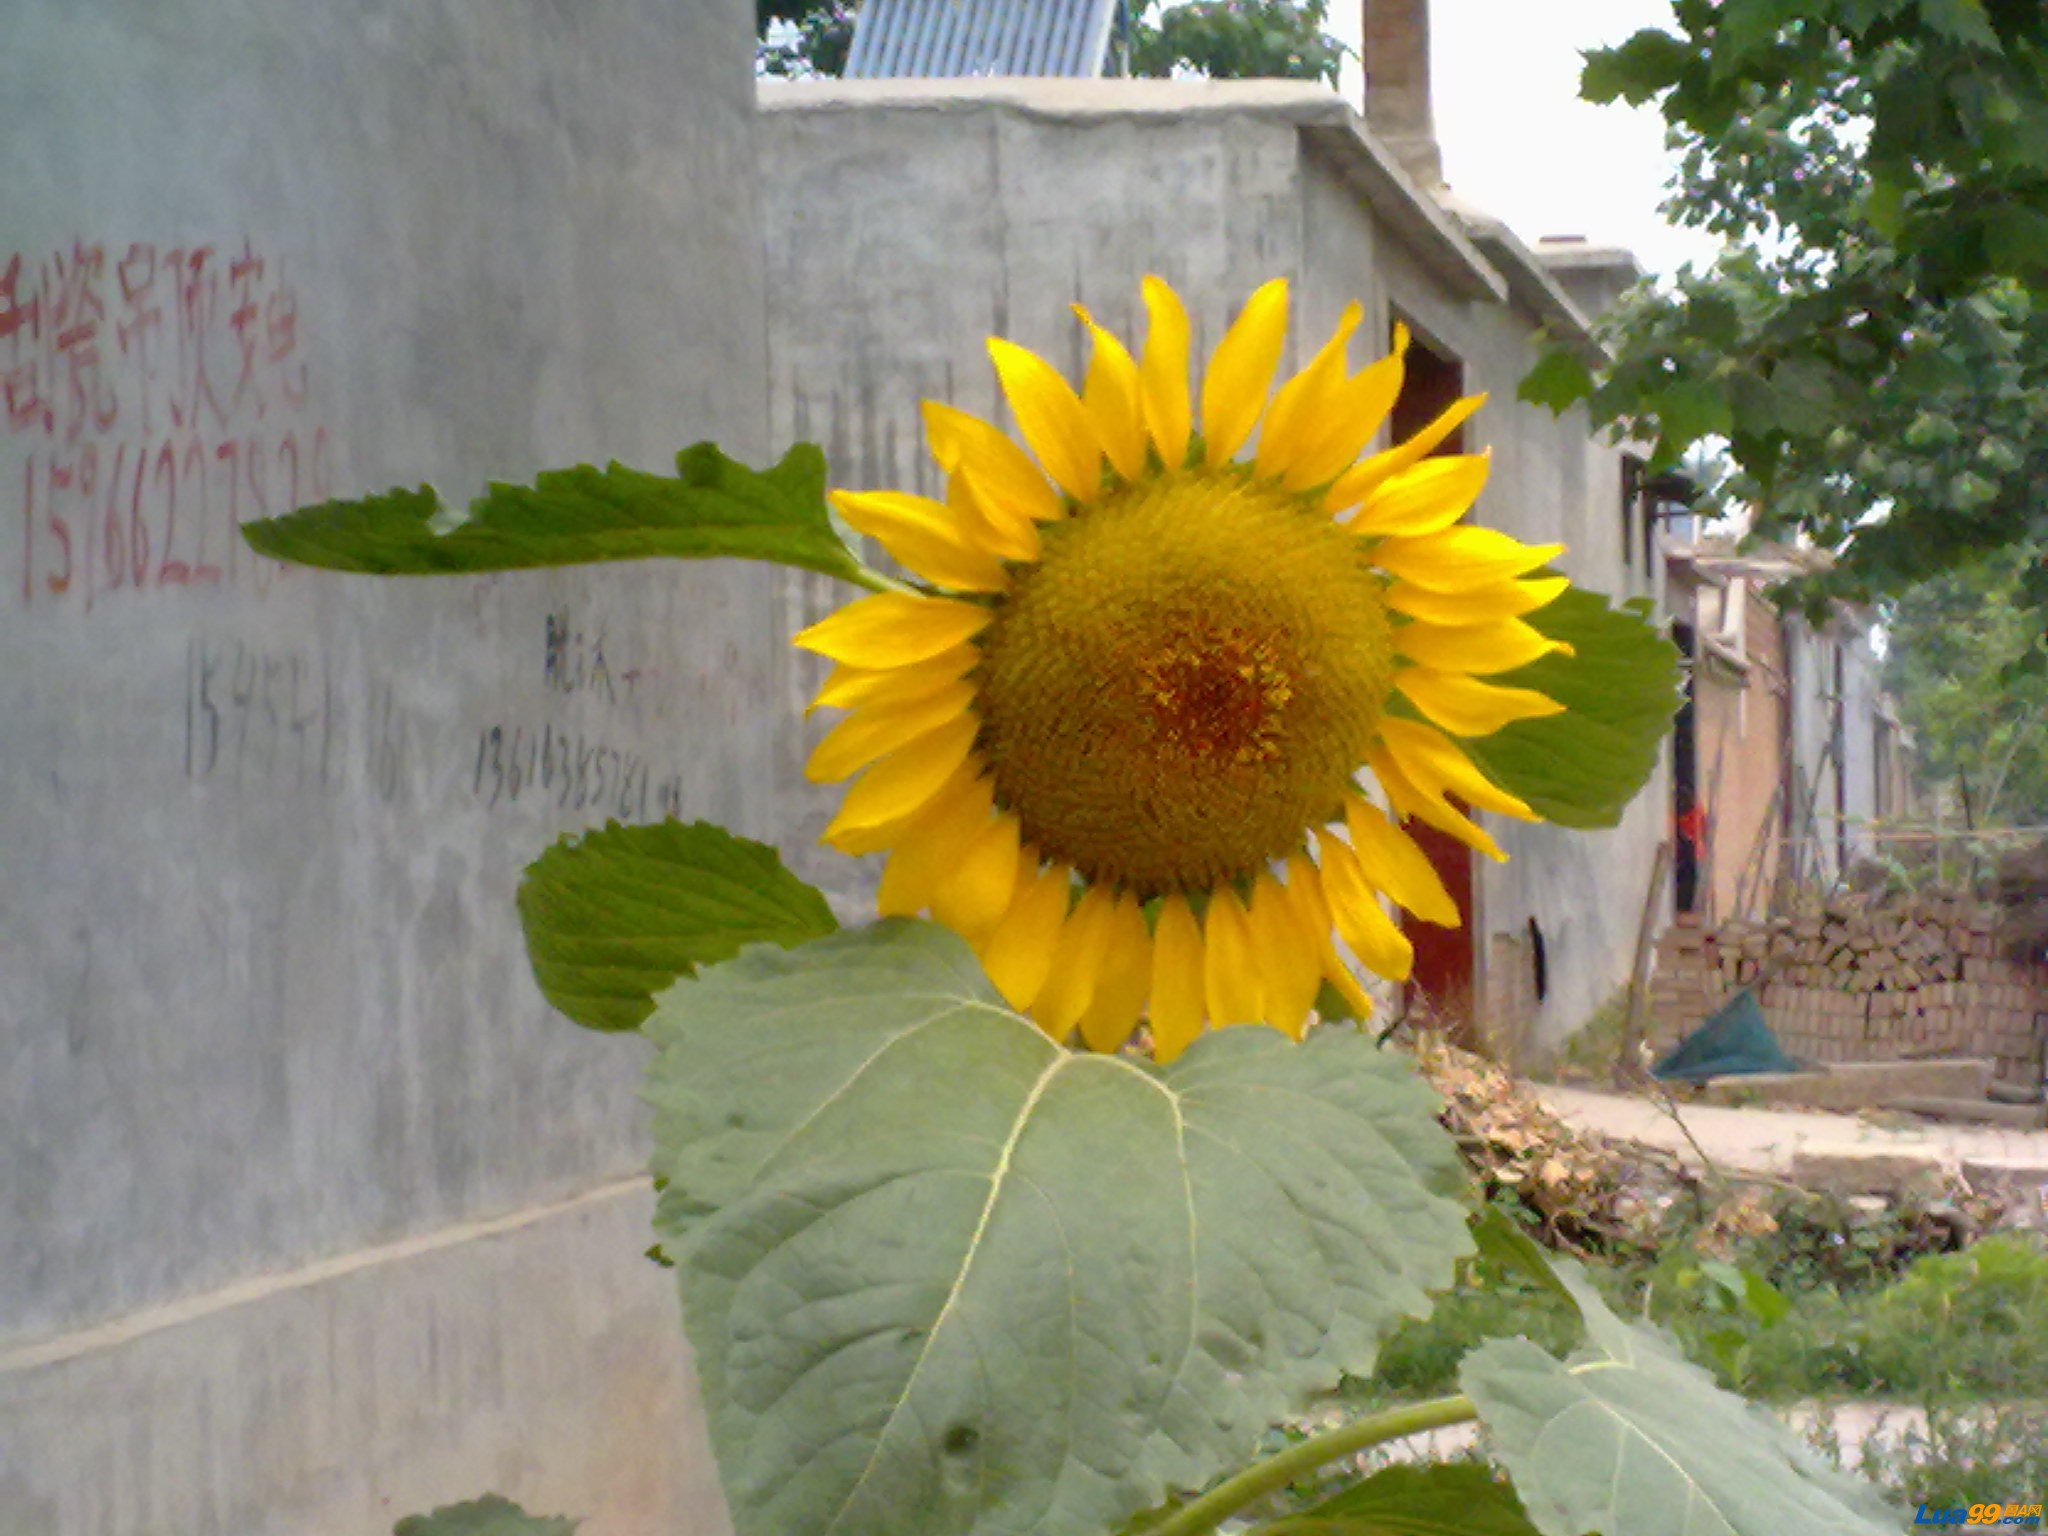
(1787,752)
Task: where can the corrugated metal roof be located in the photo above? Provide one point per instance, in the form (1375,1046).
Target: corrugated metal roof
(898,39)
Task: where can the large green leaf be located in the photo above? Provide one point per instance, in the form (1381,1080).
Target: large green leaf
(1452,1499)
(490,1515)
(713,506)
(1619,689)
(613,917)
(1629,1436)
(941,1275)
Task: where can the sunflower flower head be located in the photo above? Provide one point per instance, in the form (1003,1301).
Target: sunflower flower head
(1174,681)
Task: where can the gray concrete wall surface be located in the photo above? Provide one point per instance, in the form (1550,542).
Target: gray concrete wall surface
(263,1002)
(533,1354)
(908,221)
(1833,728)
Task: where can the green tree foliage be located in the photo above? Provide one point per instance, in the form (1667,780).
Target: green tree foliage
(1873,347)
(1220,39)
(1960,646)
(823,35)
(1238,40)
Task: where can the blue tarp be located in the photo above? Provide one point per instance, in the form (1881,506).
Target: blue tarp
(1734,1040)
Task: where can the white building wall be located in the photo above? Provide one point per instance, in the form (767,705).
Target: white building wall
(313,1212)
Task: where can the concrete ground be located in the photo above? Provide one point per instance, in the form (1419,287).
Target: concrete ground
(1843,1152)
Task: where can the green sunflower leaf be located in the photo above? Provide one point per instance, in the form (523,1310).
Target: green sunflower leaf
(1446,1500)
(713,506)
(613,917)
(1627,1435)
(937,1269)
(490,1515)
(1620,690)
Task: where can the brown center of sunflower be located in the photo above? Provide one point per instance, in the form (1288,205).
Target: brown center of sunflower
(1185,683)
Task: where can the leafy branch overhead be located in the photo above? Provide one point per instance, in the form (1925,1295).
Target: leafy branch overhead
(713,506)
(1873,347)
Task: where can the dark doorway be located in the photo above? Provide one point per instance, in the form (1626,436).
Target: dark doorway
(1688,816)
(1441,984)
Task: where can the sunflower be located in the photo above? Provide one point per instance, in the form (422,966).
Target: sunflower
(1118,736)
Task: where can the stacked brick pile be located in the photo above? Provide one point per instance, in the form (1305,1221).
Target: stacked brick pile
(1864,979)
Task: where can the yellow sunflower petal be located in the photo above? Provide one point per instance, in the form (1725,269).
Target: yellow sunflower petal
(1436,765)
(893,629)
(1111,394)
(874,836)
(1230,970)
(1480,648)
(1303,403)
(1077,957)
(926,536)
(845,687)
(1017,954)
(1356,409)
(1004,530)
(1476,605)
(1051,417)
(1355,908)
(1425,499)
(1163,373)
(1177,985)
(1126,972)
(1459,559)
(1290,957)
(929,845)
(1355,484)
(971,894)
(904,780)
(1464,706)
(1395,863)
(1241,370)
(1004,476)
(1409,800)
(879,730)
(1305,885)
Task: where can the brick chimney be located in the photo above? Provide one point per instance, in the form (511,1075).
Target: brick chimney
(1396,58)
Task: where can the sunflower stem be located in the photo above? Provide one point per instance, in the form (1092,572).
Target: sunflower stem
(1202,1516)
(875,581)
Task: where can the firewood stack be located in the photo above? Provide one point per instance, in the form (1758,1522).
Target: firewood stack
(1866,978)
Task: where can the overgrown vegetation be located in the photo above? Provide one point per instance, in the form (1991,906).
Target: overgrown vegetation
(1821,1309)
(1963,663)
(1963,1456)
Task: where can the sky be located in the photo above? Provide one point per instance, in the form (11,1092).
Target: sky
(1519,144)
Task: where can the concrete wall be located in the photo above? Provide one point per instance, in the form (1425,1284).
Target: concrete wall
(1741,724)
(1834,707)
(263,1004)
(907,221)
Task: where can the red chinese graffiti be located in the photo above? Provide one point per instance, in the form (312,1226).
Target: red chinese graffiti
(161,397)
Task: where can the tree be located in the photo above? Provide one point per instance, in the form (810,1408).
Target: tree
(1219,39)
(1979,714)
(1238,40)
(1873,348)
(822,36)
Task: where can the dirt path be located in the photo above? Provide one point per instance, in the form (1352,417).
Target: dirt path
(1811,1147)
